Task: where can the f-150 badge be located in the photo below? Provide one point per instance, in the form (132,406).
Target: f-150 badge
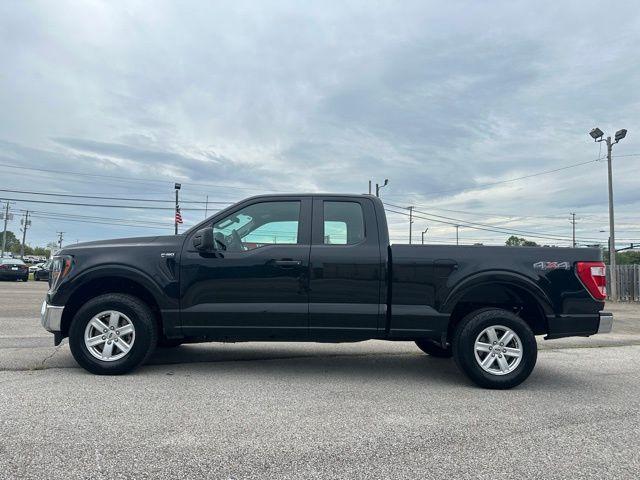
(552,266)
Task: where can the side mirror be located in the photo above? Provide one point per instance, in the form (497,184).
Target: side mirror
(203,240)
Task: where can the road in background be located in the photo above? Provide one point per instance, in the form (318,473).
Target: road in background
(283,410)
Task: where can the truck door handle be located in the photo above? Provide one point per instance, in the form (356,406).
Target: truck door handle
(287,263)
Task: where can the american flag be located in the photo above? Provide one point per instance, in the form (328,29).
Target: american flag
(178,215)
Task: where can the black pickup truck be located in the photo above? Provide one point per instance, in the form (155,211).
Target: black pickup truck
(320,268)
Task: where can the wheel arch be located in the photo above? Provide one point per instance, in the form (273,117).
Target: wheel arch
(506,290)
(111,280)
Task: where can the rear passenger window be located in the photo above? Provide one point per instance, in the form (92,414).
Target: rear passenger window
(343,223)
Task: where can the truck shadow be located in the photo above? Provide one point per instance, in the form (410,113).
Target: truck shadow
(346,363)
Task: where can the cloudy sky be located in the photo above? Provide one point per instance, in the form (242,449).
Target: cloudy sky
(453,102)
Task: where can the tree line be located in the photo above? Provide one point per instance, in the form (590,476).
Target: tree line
(13,245)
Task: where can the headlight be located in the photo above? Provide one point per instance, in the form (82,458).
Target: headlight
(60,268)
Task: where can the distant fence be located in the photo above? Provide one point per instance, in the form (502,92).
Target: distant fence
(628,282)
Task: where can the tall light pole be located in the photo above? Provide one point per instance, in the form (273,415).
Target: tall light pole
(423,233)
(598,136)
(573,227)
(457,237)
(379,187)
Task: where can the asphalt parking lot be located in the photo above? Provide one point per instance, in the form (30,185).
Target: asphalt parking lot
(366,410)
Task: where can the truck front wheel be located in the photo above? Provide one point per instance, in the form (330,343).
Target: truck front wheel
(495,348)
(112,334)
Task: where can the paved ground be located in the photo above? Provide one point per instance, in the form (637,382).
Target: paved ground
(368,410)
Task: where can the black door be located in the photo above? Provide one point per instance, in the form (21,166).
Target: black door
(255,284)
(346,270)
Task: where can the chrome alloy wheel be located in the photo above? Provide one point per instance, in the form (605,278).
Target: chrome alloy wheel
(498,350)
(109,335)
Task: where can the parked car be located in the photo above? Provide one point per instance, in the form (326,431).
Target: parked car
(42,271)
(320,268)
(35,267)
(13,269)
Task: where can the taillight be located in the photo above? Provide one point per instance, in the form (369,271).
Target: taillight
(593,277)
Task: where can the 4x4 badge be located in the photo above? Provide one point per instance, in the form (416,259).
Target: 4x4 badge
(168,254)
(552,266)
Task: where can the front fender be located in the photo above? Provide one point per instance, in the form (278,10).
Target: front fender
(162,294)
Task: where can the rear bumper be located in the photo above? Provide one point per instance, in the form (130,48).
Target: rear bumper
(51,317)
(579,325)
(13,275)
(606,322)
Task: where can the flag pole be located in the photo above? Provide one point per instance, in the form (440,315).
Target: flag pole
(177,186)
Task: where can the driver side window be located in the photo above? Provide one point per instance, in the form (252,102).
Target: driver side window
(257,225)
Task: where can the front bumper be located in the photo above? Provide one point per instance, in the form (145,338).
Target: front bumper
(606,322)
(51,317)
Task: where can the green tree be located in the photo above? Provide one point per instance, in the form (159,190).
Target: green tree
(514,241)
(11,243)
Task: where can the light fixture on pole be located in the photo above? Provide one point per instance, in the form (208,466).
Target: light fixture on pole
(379,187)
(598,136)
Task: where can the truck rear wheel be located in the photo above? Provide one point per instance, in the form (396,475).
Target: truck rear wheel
(495,348)
(112,334)
(434,349)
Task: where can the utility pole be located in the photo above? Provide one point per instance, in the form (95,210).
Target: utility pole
(457,237)
(573,227)
(597,136)
(379,187)
(60,237)
(4,233)
(206,207)
(25,225)
(369,187)
(410,225)
(177,186)
(423,233)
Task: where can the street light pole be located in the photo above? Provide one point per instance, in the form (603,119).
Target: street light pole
(379,187)
(425,231)
(598,135)
(612,232)
(457,237)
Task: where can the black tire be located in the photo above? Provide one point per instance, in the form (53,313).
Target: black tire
(433,348)
(146,333)
(464,353)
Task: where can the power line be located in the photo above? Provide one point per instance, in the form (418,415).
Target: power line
(487,227)
(545,172)
(96,222)
(53,194)
(125,179)
(136,207)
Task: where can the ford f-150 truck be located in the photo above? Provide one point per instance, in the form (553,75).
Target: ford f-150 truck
(320,268)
